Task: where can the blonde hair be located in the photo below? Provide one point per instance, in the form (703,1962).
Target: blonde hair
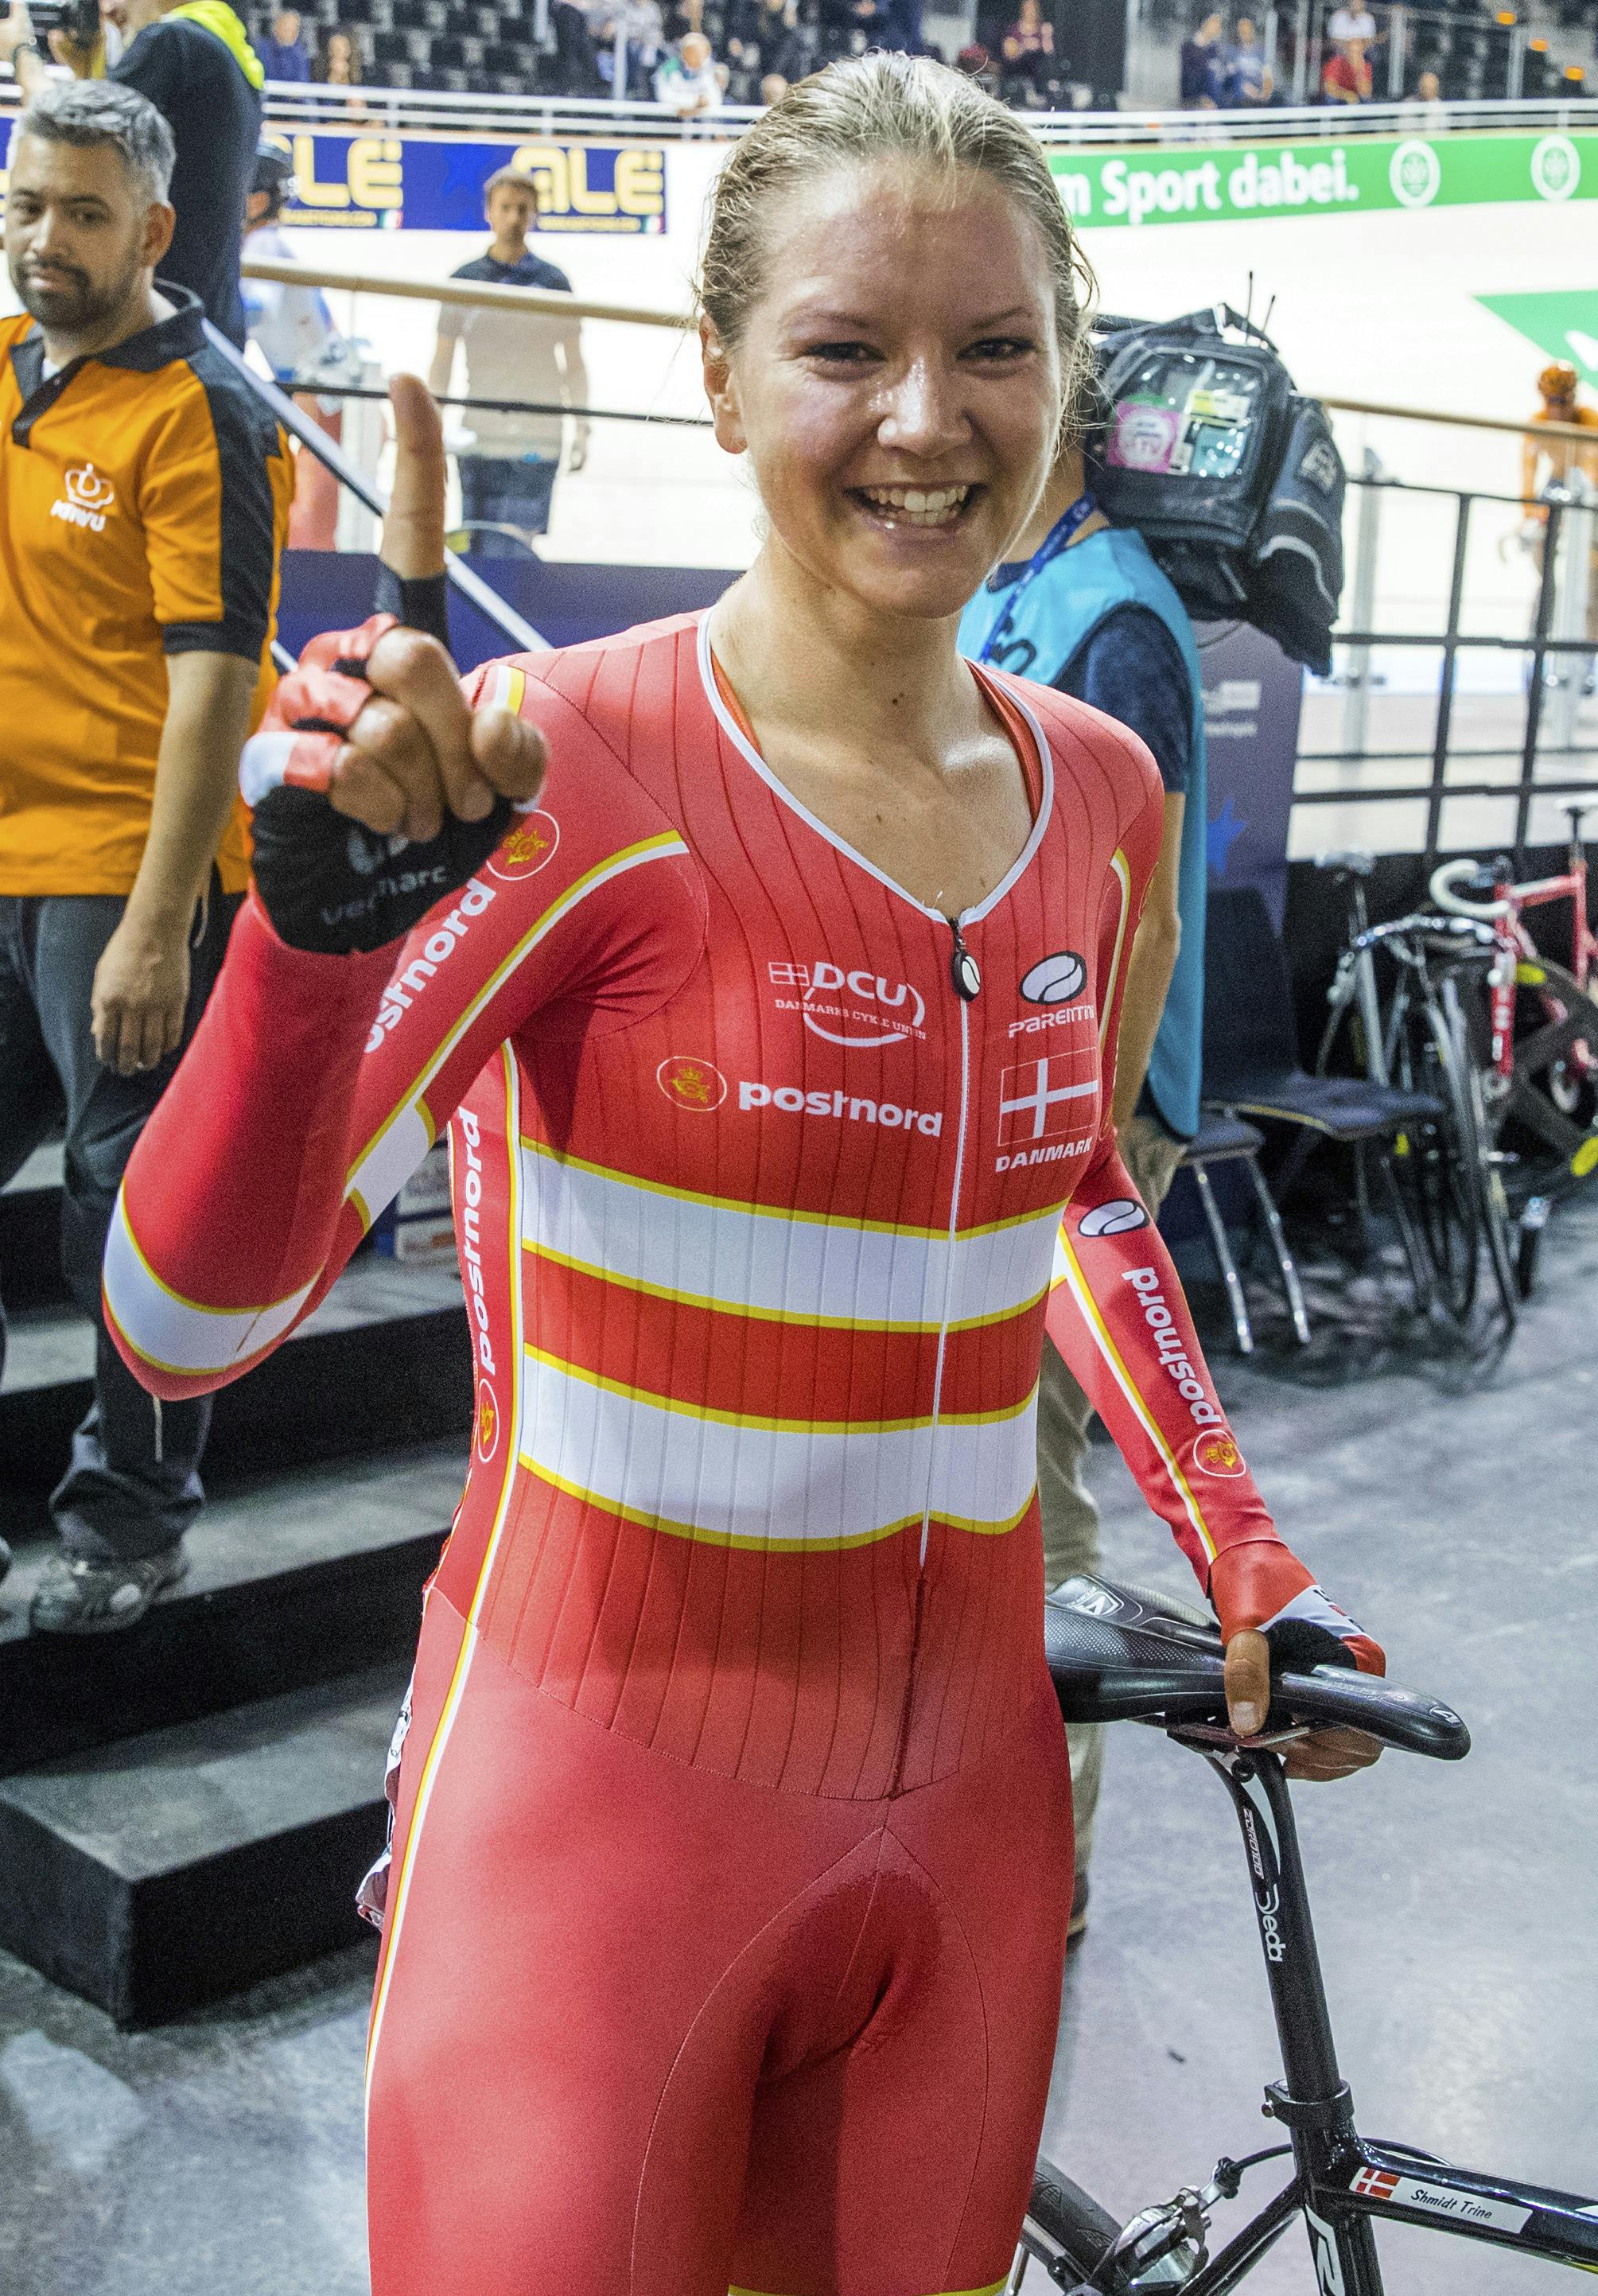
(881,107)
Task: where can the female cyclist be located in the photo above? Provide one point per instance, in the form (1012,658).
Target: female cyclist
(774,1028)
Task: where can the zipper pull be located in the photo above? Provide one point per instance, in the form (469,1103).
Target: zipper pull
(964,968)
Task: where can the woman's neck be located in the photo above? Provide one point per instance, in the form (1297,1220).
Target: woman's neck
(1067,484)
(815,659)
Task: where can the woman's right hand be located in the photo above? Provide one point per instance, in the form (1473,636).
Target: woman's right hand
(411,751)
(371,726)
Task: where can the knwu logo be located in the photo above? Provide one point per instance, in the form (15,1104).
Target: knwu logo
(87,498)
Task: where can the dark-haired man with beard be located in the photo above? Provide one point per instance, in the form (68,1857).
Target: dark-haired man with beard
(143,495)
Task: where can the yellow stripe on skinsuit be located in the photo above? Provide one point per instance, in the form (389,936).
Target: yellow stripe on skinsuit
(772,1315)
(1118,862)
(648,849)
(400,1882)
(738,1539)
(787,1213)
(1089,1308)
(708,1412)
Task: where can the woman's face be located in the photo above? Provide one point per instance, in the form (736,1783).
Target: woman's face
(898,387)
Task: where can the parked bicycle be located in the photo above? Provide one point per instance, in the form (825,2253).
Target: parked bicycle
(1535,1032)
(1117,1653)
(1451,1199)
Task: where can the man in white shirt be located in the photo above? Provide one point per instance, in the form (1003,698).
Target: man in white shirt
(509,463)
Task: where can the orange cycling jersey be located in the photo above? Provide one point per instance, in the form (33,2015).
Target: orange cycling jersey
(759,1167)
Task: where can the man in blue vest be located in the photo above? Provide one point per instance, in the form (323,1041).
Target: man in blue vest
(1082,607)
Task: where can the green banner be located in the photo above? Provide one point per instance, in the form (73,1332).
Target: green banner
(1240,183)
(1565,325)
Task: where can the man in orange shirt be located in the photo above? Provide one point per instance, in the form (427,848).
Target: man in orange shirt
(143,497)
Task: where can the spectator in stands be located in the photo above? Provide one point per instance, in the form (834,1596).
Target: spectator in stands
(688,82)
(976,64)
(576,67)
(1346,76)
(1093,615)
(1202,69)
(773,87)
(1426,108)
(508,472)
(1028,50)
(766,40)
(196,65)
(143,497)
(283,56)
(338,65)
(1248,82)
(1354,22)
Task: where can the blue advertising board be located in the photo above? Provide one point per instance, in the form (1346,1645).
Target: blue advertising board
(393,183)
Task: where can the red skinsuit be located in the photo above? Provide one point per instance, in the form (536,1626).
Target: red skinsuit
(733,1852)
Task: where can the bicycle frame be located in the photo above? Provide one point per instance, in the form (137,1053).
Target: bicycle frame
(1343,2182)
(1517,949)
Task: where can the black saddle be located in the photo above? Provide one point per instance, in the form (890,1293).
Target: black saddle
(1120,1653)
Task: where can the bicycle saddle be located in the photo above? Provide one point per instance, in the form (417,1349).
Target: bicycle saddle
(1118,1653)
(1348,863)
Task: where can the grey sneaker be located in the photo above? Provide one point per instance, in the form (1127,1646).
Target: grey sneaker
(77,1597)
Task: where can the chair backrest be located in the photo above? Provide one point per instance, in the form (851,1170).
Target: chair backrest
(1250,1029)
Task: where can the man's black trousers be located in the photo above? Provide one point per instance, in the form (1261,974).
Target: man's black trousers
(133,1485)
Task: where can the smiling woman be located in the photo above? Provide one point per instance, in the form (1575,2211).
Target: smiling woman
(732,1854)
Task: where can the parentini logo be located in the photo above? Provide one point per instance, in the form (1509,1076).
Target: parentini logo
(87,498)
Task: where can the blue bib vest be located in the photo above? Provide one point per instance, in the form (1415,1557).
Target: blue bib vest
(1059,611)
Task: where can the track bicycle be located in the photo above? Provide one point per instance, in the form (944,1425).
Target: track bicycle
(1535,1032)
(1446,1169)
(1118,1653)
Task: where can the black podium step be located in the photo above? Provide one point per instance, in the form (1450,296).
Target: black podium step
(30,1273)
(294,1580)
(385,1359)
(180,1865)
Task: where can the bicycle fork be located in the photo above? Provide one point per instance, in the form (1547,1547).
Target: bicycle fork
(1312,2102)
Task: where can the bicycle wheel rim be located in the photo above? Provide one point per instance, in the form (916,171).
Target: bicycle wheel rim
(1440,1165)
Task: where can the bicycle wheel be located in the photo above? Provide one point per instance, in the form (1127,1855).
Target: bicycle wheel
(1549,1115)
(1510,1272)
(1437,1161)
(1066,2226)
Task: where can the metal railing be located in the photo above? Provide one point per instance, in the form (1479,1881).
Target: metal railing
(1561,650)
(314,106)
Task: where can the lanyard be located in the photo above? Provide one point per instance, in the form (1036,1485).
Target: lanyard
(1055,541)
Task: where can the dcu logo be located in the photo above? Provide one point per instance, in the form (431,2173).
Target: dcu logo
(527,844)
(858,1008)
(85,499)
(688,1083)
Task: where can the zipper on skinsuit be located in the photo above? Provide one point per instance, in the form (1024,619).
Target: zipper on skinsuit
(965,977)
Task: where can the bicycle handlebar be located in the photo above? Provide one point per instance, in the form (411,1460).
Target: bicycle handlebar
(1454,873)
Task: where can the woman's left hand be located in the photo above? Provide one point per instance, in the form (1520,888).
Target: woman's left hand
(1324,1753)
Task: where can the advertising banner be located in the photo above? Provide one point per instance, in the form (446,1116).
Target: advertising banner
(1246,183)
(365,183)
(1563,323)
(393,183)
